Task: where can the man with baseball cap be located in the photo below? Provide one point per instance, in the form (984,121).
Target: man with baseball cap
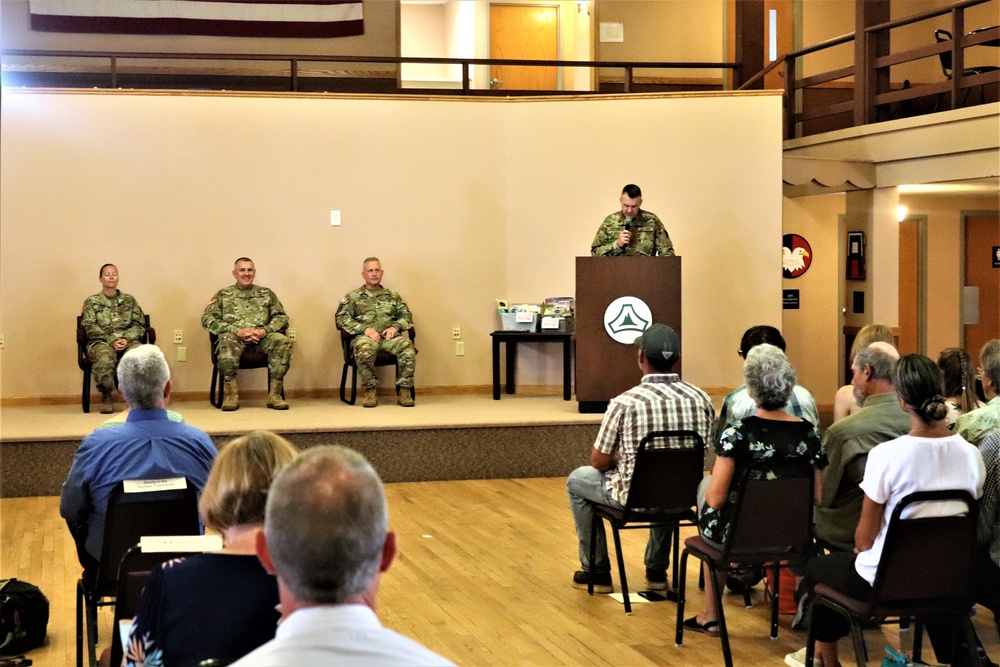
(660,402)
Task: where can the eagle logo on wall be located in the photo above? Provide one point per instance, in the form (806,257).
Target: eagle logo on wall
(796,255)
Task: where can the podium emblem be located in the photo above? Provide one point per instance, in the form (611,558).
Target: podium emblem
(626,318)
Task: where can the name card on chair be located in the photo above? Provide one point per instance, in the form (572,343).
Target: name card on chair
(147,485)
(150,544)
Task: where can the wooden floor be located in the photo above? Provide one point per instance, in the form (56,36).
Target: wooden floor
(482,577)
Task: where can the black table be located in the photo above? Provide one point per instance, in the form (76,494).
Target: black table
(512,338)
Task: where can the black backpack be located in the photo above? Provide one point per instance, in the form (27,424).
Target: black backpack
(24,616)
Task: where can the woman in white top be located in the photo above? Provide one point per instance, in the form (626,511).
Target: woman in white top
(928,458)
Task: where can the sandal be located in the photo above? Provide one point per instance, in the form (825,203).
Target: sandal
(711,628)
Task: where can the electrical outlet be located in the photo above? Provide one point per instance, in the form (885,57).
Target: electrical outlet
(459,349)
(178,336)
(456,332)
(291,334)
(182,354)
(1,341)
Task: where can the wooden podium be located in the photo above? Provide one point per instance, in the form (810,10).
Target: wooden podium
(605,367)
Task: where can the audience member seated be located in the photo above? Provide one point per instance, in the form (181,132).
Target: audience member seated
(844,402)
(959,383)
(973,426)
(217,605)
(662,401)
(848,441)
(148,446)
(770,433)
(738,404)
(326,536)
(113,322)
(928,458)
(986,563)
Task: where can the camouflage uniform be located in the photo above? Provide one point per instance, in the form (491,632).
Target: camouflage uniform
(647,234)
(379,309)
(105,320)
(232,309)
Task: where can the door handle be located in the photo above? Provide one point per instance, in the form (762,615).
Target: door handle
(496,82)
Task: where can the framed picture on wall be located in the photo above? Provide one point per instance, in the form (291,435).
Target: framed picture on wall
(855,255)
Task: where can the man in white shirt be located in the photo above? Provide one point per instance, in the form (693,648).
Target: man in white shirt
(326,537)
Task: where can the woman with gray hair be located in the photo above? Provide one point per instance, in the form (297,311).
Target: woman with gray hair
(772,434)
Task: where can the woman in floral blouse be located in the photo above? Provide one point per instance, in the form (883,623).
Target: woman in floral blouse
(771,433)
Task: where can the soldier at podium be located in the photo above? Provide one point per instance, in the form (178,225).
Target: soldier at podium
(631,232)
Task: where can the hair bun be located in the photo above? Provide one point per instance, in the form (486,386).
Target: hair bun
(934,408)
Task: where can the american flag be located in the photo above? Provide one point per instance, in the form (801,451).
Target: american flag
(229,18)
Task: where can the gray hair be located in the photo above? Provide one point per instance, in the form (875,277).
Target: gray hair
(326,524)
(769,376)
(989,359)
(878,359)
(142,376)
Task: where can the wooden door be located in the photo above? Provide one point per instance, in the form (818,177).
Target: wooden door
(909,287)
(523,32)
(982,235)
(778,27)
(784,32)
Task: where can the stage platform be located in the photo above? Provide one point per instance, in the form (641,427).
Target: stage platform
(445,437)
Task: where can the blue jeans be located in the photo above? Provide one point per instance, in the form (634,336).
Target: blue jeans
(585,486)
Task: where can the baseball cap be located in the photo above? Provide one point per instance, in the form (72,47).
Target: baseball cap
(660,343)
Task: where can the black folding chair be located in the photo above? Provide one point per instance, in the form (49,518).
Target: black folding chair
(661,494)
(924,571)
(771,527)
(382,359)
(86,364)
(131,514)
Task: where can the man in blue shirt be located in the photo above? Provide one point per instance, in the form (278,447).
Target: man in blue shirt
(148,446)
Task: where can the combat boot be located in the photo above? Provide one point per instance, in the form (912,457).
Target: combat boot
(371,398)
(107,403)
(404,397)
(274,399)
(232,396)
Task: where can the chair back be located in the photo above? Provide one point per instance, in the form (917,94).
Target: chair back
(667,476)
(132,514)
(773,510)
(945,56)
(927,561)
(133,572)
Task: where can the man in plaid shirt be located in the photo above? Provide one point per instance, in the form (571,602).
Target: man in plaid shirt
(660,402)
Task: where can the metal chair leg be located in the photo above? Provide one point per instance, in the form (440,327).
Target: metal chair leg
(679,630)
(593,553)
(621,568)
(79,622)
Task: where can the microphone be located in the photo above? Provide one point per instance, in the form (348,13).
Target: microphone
(628,228)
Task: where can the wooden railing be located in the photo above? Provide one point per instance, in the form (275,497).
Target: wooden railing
(868,97)
(872,97)
(115,59)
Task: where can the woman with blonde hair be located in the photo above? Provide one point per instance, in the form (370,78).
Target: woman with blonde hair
(844,402)
(218,605)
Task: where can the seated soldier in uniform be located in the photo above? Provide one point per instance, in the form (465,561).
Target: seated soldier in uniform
(114,323)
(381,315)
(244,316)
